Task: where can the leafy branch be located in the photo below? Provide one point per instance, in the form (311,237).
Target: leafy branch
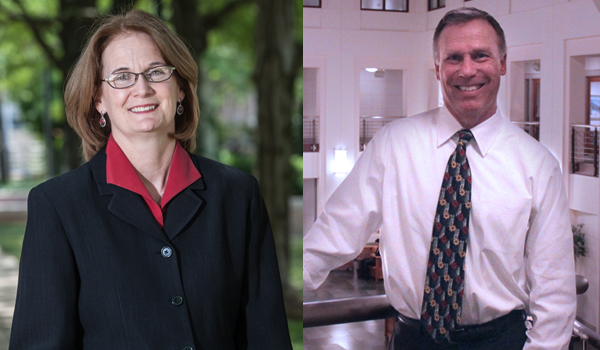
(214,20)
(578,241)
(36,25)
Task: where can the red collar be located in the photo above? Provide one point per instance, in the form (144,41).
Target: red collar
(120,172)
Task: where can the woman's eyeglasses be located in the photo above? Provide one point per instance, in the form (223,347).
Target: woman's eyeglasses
(124,80)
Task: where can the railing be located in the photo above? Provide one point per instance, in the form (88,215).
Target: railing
(370,125)
(324,313)
(586,334)
(532,128)
(310,134)
(584,150)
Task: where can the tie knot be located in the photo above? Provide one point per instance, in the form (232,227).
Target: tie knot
(465,135)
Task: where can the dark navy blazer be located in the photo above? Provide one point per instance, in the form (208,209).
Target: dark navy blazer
(94,274)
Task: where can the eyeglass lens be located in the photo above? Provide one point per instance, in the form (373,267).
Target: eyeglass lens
(153,75)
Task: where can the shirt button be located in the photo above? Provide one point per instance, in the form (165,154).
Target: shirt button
(177,300)
(188,348)
(166,252)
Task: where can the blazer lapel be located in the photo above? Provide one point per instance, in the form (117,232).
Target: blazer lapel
(182,209)
(185,205)
(128,206)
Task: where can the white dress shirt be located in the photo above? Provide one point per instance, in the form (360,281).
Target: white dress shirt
(520,245)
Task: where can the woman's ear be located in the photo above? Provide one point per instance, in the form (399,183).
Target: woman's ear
(99,106)
(97,98)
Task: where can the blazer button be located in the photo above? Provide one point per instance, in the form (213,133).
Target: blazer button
(166,252)
(188,348)
(177,300)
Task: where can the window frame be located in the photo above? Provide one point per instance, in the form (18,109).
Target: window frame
(383,7)
(313,7)
(435,8)
(588,95)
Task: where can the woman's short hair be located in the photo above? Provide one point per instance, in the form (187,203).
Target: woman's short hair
(86,76)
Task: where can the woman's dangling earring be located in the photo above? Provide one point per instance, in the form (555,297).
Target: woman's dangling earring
(179,108)
(102,119)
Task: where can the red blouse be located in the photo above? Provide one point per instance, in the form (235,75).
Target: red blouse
(120,172)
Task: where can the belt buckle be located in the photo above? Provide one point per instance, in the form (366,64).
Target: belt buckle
(456,332)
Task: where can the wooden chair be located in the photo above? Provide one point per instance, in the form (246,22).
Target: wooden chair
(377,270)
(365,254)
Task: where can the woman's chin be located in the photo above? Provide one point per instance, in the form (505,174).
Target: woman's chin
(148,126)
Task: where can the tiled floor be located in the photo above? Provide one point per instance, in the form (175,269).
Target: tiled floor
(350,336)
(367,335)
(344,284)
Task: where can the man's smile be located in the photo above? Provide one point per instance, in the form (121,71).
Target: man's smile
(469,88)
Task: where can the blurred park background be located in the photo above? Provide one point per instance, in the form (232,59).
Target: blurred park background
(249,54)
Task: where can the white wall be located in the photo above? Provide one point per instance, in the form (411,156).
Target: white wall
(381,96)
(310,102)
(341,40)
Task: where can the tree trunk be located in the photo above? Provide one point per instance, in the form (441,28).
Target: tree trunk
(77,19)
(189,25)
(3,167)
(274,77)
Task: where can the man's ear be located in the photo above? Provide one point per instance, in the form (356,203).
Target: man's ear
(437,71)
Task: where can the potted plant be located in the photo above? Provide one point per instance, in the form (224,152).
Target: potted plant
(578,241)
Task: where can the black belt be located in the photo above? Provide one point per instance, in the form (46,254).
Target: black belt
(486,330)
(469,333)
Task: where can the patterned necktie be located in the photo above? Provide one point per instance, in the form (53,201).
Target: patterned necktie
(442,302)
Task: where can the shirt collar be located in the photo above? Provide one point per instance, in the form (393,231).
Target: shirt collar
(182,174)
(120,172)
(484,134)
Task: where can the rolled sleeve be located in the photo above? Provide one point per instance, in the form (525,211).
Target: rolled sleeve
(550,267)
(351,215)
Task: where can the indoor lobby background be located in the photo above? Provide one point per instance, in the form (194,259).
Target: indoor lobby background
(367,63)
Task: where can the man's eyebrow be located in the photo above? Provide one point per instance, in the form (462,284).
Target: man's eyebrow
(479,50)
(453,53)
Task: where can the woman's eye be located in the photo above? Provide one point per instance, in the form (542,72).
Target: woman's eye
(122,77)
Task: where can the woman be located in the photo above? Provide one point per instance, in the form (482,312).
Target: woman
(145,246)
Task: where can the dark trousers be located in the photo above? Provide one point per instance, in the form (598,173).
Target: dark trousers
(504,333)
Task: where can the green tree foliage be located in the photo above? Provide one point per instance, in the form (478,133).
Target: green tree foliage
(21,69)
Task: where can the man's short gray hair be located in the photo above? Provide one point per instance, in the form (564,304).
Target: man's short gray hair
(465,15)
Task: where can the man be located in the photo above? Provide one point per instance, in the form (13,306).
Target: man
(465,263)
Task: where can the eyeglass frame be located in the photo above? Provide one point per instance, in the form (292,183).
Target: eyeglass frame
(173,69)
